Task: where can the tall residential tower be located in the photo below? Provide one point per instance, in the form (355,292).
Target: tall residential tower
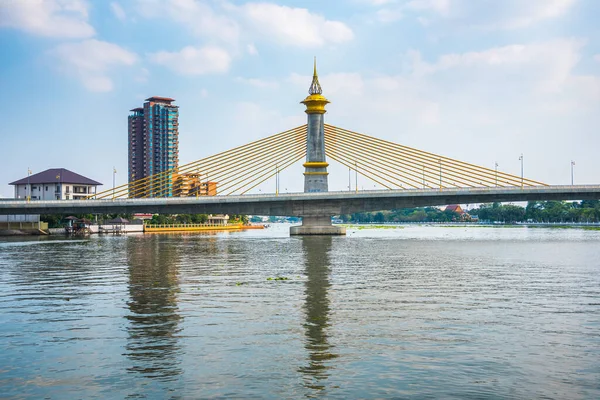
(154,144)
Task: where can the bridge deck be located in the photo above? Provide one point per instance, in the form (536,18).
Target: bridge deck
(304,204)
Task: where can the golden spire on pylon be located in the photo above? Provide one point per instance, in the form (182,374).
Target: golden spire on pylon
(315,86)
(315,102)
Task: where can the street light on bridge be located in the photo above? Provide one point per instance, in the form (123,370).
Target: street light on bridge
(572,165)
(521,159)
(28,193)
(114,173)
(440,174)
(496,169)
(356,176)
(349,183)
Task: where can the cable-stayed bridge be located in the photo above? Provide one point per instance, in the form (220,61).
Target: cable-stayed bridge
(221,183)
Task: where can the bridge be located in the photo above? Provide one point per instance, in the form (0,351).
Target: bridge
(219,184)
(304,205)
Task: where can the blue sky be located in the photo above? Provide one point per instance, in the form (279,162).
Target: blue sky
(477,80)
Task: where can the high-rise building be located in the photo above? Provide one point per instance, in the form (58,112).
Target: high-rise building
(153,146)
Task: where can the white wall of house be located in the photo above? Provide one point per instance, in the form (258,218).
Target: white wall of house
(54,191)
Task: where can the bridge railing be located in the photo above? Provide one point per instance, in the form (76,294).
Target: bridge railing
(361,193)
(184,225)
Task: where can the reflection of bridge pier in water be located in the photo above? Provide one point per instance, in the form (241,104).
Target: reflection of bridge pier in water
(152,344)
(316,254)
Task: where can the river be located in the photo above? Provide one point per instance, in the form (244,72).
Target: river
(414,312)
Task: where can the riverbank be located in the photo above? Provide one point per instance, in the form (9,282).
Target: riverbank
(22,232)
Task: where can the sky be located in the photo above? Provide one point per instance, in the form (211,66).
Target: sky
(482,81)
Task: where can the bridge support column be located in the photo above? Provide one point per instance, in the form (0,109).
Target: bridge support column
(317,225)
(315,174)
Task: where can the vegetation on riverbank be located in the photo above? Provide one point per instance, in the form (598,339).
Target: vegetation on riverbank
(56,221)
(535,211)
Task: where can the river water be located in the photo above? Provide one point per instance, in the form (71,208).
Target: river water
(418,312)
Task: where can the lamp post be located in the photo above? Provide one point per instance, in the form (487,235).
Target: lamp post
(114,173)
(423,176)
(521,159)
(28,191)
(349,183)
(572,165)
(276,180)
(440,160)
(356,176)
(496,169)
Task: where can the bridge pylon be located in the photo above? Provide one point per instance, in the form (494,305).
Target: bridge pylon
(315,173)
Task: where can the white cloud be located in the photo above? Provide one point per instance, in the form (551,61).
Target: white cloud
(481,14)
(91,61)
(549,64)
(52,18)
(196,16)
(597,58)
(194,60)
(379,2)
(251,48)
(438,6)
(389,15)
(534,11)
(143,75)
(294,26)
(258,83)
(118,11)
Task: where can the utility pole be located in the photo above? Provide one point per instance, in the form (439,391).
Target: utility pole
(28,191)
(356,176)
(276,180)
(440,174)
(572,165)
(521,159)
(349,181)
(496,169)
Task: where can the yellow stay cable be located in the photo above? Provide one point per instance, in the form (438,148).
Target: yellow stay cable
(449,166)
(141,182)
(406,148)
(244,160)
(435,165)
(291,159)
(375,153)
(249,174)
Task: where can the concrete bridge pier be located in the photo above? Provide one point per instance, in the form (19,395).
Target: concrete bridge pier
(317,225)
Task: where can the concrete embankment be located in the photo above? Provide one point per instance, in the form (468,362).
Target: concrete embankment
(21,232)
(122,229)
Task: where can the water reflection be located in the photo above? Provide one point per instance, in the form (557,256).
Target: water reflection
(153,286)
(316,254)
